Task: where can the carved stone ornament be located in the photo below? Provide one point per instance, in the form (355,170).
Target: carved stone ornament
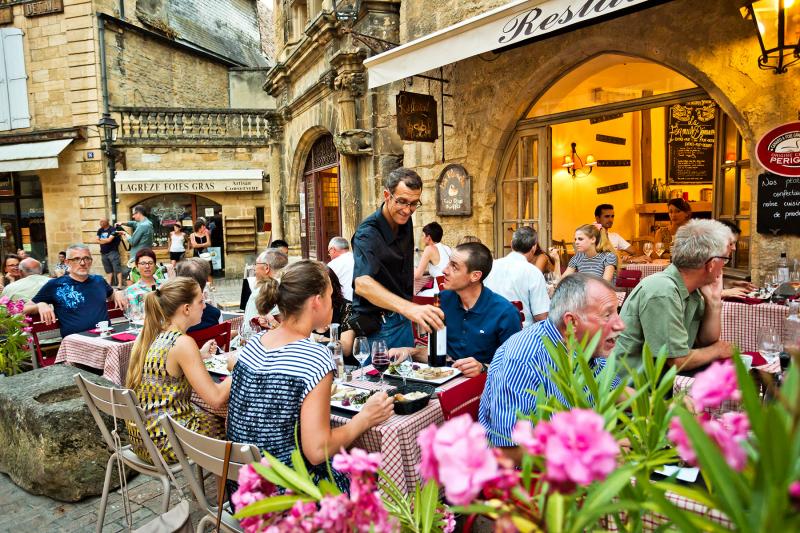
(274,129)
(328,79)
(354,142)
(350,81)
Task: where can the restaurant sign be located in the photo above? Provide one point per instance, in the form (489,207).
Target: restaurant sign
(416,117)
(187,182)
(779,150)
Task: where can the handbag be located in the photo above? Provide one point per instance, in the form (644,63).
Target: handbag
(175,520)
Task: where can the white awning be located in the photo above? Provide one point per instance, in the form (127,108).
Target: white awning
(31,156)
(188,181)
(503,26)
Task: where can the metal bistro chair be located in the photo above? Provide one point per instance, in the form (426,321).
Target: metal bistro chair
(122,404)
(209,454)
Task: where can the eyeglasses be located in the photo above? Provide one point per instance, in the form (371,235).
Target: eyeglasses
(724,258)
(81,260)
(12,265)
(262,264)
(146,263)
(405,203)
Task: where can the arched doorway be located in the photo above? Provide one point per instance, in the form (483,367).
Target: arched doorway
(320,214)
(637,119)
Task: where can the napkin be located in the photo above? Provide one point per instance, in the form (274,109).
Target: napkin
(373,372)
(96,331)
(124,337)
(758,359)
(745,300)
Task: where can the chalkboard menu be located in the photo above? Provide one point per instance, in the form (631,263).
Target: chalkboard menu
(778,205)
(691,134)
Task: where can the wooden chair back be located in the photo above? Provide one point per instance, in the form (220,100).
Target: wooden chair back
(463,398)
(221,333)
(45,356)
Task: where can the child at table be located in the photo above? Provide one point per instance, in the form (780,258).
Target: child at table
(281,384)
(166,365)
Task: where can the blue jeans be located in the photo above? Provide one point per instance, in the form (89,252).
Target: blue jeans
(396,331)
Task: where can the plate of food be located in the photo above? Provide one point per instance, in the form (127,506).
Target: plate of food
(426,374)
(217,364)
(349,398)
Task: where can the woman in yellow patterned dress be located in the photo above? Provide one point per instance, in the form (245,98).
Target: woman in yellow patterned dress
(166,366)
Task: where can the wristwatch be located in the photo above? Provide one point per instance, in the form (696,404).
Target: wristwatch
(484,368)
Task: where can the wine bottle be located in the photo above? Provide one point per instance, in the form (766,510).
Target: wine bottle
(437,341)
(335,348)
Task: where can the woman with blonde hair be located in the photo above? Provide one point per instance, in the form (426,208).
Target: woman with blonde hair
(594,253)
(165,367)
(281,384)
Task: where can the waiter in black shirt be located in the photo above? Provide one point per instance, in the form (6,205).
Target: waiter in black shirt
(383,275)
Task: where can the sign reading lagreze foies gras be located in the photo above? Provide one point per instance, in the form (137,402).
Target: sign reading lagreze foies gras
(778,151)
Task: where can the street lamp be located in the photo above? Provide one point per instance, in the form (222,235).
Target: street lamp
(777,24)
(346,10)
(108,126)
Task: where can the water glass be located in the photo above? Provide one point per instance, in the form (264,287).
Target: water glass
(647,248)
(660,249)
(405,369)
(380,357)
(770,344)
(361,353)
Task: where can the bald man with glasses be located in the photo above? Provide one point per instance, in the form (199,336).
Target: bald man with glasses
(79,298)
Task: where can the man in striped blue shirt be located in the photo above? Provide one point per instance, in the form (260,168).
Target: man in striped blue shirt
(522,362)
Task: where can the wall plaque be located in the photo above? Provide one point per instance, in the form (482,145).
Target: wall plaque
(43,7)
(778,150)
(610,139)
(612,188)
(691,136)
(778,204)
(454,191)
(6,15)
(416,117)
(604,118)
(613,162)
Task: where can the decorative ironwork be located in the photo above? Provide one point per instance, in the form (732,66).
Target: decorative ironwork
(323,154)
(143,125)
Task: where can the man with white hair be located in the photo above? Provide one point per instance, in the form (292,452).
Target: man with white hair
(342,264)
(681,307)
(269,264)
(79,298)
(29,284)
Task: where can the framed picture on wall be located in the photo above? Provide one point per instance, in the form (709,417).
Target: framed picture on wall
(454,192)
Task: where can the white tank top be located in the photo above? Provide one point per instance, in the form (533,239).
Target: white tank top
(444,258)
(176,243)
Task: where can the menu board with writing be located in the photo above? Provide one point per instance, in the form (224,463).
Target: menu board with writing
(691,134)
(778,205)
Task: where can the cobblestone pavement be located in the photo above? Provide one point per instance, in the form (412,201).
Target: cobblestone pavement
(22,511)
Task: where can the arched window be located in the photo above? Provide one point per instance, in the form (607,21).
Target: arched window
(320,215)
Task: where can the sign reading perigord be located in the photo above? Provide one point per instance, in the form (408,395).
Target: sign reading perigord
(778,151)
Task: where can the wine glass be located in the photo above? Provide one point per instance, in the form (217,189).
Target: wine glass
(361,353)
(380,357)
(770,344)
(647,248)
(660,249)
(405,369)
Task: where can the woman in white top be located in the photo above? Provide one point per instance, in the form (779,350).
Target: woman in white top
(436,255)
(177,244)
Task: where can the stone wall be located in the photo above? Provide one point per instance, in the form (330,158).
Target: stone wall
(712,46)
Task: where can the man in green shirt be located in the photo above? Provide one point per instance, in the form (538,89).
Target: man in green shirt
(142,230)
(680,308)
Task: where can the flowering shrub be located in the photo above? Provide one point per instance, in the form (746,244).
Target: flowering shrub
(14,328)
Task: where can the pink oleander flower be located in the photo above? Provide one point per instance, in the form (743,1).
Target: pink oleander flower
(459,456)
(715,385)
(333,513)
(678,436)
(5,300)
(794,493)
(448,522)
(728,433)
(579,449)
(356,462)
(522,434)
(428,465)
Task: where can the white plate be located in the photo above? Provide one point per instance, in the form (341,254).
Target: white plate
(217,364)
(354,390)
(422,366)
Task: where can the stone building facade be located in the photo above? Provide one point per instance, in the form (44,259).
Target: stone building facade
(493,93)
(184,98)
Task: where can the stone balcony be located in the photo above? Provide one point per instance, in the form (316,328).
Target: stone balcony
(160,126)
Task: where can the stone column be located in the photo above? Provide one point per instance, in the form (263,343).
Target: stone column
(276,177)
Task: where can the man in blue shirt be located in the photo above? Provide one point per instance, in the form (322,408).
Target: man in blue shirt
(478,321)
(142,236)
(522,363)
(78,298)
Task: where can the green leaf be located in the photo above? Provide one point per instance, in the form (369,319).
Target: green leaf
(428,504)
(293,480)
(554,513)
(273,504)
(605,491)
(328,488)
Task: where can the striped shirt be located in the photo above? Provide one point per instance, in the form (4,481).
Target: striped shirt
(267,392)
(521,364)
(594,266)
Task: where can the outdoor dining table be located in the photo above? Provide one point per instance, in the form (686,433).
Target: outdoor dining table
(648,269)
(107,354)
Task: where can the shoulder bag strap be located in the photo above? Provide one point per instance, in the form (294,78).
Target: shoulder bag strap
(221,484)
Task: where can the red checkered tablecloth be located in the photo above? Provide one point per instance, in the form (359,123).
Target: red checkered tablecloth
(396,438)
(647,269)
(421,282)
(110,356)
(741,322)
(652,521)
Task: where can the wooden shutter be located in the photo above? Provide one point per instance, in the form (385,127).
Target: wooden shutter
(14,82)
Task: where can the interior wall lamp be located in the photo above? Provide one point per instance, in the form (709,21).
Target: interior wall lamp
(777,24)
(578,171)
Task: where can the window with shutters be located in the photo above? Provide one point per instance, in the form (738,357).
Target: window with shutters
(14,111)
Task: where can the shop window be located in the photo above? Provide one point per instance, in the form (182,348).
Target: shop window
(14,111)
(22,215)
(733,190)
(167,209)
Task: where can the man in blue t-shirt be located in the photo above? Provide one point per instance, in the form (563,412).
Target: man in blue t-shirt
(78,298)
(478,320)
(108,238)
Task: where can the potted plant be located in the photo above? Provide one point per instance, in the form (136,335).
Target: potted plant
(14,336)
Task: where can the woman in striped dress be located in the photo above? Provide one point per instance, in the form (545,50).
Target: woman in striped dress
(166,366)
(282,380)
(594,254)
